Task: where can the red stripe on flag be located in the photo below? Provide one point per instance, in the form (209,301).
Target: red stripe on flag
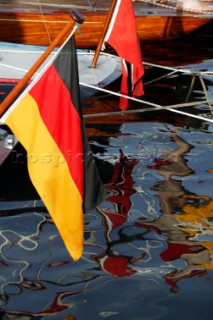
(66,119)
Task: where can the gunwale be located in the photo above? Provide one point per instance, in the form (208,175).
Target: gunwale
(22,22)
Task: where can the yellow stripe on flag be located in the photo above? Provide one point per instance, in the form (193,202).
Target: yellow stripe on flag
(49,173)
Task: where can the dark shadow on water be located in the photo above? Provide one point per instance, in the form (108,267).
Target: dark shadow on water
(15,180)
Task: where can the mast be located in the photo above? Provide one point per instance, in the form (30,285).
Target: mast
(106,26)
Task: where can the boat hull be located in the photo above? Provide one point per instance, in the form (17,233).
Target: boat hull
(41,29)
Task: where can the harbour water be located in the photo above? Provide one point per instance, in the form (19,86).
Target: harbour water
(148,248)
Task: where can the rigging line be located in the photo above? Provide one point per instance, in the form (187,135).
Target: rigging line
(45,23)
(206,93)
(178,69)
(104,114)
(191,88)
(159,78)
(140,100)
(92,6)
(171,108)
(14,68)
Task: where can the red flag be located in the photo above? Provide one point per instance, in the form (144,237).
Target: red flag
(122,36)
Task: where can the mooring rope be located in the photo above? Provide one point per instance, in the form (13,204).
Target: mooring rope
(205,92)
(179,69)
(155,106)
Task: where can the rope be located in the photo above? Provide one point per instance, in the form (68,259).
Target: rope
(191,88)
(154,107)
(204,90)
(45,23)
(177,69)
(171,108)
(194,73)
(158,107)
(92,6)
(162,77)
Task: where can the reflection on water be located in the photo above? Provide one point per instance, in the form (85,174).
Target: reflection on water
(148,247)
(151,236)
(183,219)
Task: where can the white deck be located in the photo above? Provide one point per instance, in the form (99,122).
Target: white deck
(16,60)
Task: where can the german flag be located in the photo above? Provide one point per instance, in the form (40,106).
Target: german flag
(48,123)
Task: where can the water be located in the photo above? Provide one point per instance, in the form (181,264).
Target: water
(148,248)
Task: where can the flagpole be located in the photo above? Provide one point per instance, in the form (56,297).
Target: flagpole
(106,26)
(76,18)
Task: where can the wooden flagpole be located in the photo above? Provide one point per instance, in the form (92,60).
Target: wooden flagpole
(76,17)
(106,26)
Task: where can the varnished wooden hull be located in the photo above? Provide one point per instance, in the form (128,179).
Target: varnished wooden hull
(41,29)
